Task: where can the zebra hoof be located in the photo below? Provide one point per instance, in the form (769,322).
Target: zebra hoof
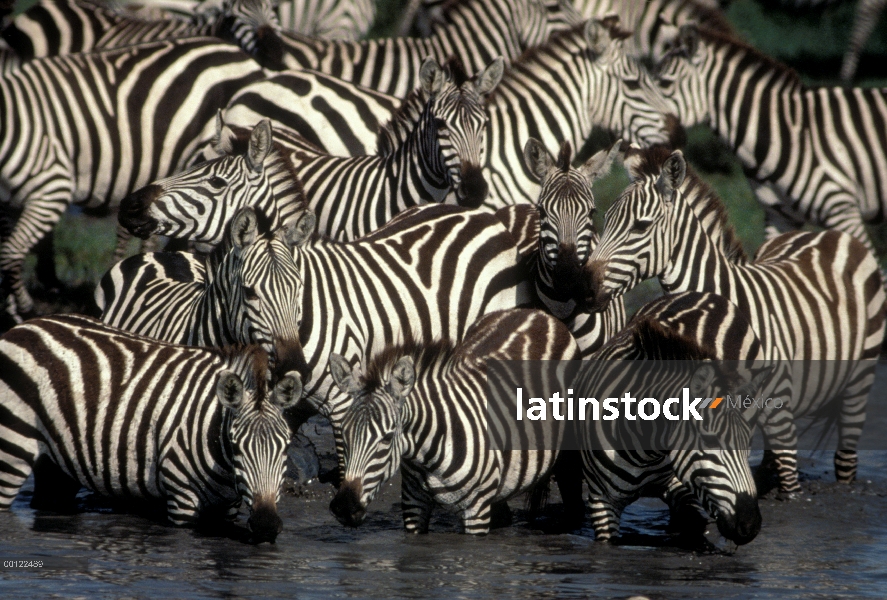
(789,496)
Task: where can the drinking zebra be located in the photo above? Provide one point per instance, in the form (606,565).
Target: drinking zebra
(812,154)
(809,296)
(482,31)
(132,115)
(423,408)
(196,429)
(692,465)
(247,292)
(430,151)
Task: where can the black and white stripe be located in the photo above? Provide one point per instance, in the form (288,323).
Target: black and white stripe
(247,292)
(194,429)
(430,151)
(816,155)
(424,410)
(328,19)
(697,467)
(130,116)
(809,296)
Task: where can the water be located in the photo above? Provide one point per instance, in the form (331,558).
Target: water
(830,543)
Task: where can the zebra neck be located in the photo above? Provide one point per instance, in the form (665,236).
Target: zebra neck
(762,88)
(287,196)
(697,261)
(416,171)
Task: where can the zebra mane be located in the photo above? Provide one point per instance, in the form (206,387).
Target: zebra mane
(397,129)
(662,343)
(248,361)
(726,37)
(704,201)
(565,157)
(217,255)
(425,356)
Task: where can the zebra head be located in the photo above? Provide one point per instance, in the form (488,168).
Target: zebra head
(251,24)
(640,232)
(197,203)
(566,230)
(254,280)
(372,434)
(624,97)
(680,80)
(710,456)
(255,434)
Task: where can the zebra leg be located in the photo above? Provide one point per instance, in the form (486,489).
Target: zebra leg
(16,463)
(54,489)
(123,237)
(776,220)
(605,517)
(852,418)
(182,507)
(416,501)
(36,220)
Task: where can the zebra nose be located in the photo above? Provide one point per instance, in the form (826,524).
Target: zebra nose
(133,211)
(264,523)
(346,505)
(597,298)
(745,522)
(473,189)
(289,356)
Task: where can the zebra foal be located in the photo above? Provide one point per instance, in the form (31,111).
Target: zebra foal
(194,429)
(423,409)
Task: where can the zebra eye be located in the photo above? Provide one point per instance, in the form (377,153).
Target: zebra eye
(388,438)
(632,84)
(250,294)
(641,225)
(217,182)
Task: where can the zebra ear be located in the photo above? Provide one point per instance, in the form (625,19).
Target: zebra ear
(259,145)
(244,228)
(702,379)
(403,376)
(342,374)
(299,232)
(229,389)
(288,390)
(599,165)
(489,78)
(598,36)
(223,140)
(674,169)
(431,76)
(537,158)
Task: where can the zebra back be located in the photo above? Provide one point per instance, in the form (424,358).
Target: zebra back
(133,418)
(414,401)
(329,19)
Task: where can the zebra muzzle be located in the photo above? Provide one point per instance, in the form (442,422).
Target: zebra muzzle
(133,214)
(744,524)
(263,522)
(597,298)
(346,506)
(473,189)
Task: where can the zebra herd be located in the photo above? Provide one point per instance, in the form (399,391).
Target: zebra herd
(371,224)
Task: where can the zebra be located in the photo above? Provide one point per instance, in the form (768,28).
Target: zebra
(131,116)
(654,22)
(246,293)
(812,154)
(554,269)
(692,465)
(431,150)
(58,27)
(480,32)
(328,19)
(196,429)
(809,296)
(424,408)
(580,79)
(865,18)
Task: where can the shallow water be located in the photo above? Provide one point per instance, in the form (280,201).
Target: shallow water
(830,543)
